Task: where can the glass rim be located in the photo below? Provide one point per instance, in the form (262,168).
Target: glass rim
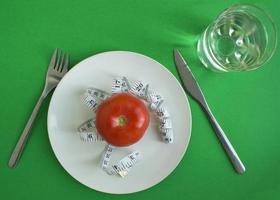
(274,40)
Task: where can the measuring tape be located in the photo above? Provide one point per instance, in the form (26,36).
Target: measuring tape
(127,163)
(106,159)
(156,103)
(139,89)
(93,97)
(154,100)
(161,112)
(123,166)
(120,84)
(87,131)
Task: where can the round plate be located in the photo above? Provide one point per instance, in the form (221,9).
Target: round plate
(82,160)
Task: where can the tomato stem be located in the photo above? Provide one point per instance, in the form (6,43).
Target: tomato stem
(122,120)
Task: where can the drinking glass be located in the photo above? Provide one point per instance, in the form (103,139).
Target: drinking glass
(242,38)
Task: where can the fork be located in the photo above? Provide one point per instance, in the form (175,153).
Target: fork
(58,67)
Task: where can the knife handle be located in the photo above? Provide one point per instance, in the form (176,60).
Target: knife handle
(235,160)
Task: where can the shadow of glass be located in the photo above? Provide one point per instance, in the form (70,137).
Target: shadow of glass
(186,34)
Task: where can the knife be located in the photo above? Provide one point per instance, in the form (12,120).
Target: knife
(192,87)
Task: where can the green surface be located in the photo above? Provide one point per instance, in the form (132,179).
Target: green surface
(247,104)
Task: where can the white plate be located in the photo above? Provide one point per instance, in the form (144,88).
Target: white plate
(82,160)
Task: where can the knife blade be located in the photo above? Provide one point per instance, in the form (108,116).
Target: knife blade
(187,78)
(192,87)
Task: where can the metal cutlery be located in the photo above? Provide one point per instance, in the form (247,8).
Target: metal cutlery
(194,90)
(58,67)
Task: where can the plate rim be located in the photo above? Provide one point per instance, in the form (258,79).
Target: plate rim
(73,68)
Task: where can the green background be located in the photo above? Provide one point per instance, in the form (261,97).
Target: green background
(247,104)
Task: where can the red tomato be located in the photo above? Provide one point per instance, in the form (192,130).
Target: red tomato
(122,119)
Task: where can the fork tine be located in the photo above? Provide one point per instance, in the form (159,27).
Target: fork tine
(53,59)
(66,63)
(58,58)
(62,60)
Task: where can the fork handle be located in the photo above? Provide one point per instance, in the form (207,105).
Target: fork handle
(25,134)
(234,158)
